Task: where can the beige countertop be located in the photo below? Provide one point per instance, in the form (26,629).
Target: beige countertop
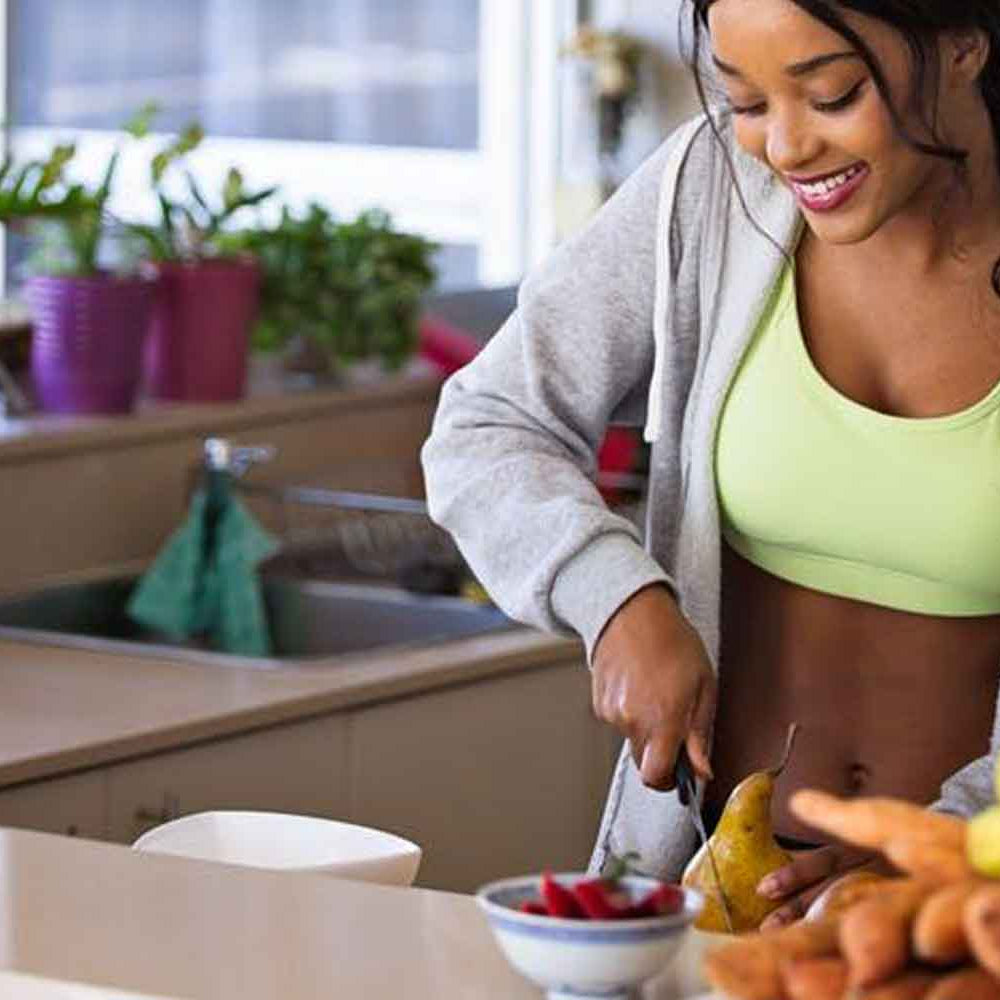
(102,916)
(67,709)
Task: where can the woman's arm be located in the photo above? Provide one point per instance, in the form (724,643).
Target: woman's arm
(510,464)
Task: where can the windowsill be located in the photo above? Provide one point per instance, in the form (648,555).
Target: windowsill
(30,437)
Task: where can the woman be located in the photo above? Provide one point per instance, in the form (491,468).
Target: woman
(801,298)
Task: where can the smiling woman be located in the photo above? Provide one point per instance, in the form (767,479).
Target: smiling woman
(796,295)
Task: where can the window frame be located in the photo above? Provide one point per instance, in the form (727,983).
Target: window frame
(498,197)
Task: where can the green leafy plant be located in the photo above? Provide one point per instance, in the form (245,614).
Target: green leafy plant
(353,289)
(68,220)
(191,228)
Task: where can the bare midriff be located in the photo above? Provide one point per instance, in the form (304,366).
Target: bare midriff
(889,702)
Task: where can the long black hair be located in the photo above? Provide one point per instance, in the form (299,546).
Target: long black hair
(920,23)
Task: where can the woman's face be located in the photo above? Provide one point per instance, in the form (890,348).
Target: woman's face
(805,104)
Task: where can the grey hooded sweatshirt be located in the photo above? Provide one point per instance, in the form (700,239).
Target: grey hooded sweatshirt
(640,319)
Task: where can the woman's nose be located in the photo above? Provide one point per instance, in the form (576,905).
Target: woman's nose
(791,144)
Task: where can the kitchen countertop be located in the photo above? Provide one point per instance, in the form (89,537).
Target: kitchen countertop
(68,709)
(100,915)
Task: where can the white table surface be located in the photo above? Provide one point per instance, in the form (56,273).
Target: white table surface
(151,927)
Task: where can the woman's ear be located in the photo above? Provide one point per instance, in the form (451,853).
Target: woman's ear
(964,55)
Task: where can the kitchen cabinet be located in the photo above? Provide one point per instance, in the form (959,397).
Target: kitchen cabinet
(492,779)
(75,806)
(298,768)
(492,776)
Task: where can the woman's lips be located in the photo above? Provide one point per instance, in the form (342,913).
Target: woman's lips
(831,194)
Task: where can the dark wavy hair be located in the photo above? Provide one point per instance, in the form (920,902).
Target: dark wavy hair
(920,23)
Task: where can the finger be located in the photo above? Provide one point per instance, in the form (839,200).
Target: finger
(806,870)
(699,738)
(797,907)
(658,761)
(791,911)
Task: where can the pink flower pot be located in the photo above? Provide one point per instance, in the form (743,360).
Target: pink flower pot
(87,339)
(199,336)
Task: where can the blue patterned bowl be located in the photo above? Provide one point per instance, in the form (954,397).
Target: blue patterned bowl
(576,959)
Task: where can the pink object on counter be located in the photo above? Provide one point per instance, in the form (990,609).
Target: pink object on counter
(445,346)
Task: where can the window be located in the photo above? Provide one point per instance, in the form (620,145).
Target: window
(440,111)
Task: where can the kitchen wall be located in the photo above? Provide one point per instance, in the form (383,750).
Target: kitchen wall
(656,22)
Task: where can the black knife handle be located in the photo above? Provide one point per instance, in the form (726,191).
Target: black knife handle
(684,776)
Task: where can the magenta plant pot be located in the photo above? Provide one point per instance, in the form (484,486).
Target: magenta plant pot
(87,340)
(199,335)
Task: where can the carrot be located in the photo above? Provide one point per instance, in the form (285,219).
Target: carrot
(912,985)
(749,968)
(927,857)
(842,894)
(815,979)
(981,919)
(938,933)
(966,984)
(872,822)
(874,934)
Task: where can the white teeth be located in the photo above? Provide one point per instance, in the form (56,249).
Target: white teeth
(824,187)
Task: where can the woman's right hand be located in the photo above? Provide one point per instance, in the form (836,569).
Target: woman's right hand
(651,677)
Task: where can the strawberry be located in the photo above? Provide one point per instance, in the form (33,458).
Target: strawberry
(535,907)
(559,900)
(659,902)
(601,899)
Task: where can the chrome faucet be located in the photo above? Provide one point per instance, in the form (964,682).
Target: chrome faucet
(221,455)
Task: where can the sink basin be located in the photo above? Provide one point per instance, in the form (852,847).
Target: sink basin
(308,619)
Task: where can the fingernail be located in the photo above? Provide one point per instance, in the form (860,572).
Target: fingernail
(769,885)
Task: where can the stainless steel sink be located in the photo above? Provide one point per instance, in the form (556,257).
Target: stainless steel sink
(308,619)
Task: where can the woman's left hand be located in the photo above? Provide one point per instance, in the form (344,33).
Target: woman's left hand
(811,873)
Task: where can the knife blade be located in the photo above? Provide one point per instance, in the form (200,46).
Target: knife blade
(687,792)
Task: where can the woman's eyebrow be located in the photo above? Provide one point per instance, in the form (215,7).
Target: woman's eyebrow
(796,69)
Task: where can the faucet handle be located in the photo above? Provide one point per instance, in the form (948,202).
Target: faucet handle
(221,455)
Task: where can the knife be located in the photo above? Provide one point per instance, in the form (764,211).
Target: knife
(687,792)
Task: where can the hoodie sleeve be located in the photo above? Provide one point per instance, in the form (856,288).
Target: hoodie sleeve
(510,463)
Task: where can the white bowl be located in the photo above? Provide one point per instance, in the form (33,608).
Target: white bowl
(584,958)
(285,842)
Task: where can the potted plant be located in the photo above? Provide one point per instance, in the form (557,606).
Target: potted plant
(208,297)
(88,320)
(346,294)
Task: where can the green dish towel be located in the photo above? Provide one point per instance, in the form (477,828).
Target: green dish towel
(204,582)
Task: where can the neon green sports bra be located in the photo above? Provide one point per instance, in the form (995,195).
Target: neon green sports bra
(827,493)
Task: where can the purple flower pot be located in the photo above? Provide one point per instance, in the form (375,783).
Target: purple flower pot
(86,345)
(199,336)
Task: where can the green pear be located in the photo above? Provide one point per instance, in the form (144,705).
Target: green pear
(982,845)
(745,850)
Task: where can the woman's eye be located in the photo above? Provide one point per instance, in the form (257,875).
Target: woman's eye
(841,103)
(747,109)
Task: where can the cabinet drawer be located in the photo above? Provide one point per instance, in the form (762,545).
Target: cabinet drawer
(299,768)
(76,806)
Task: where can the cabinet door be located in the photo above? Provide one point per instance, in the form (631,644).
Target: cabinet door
(297,768)
(76,806)
(492,779)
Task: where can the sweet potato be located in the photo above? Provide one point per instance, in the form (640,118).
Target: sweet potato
(966,984)
(981,919)
(926,857)
(912,985)
(874,935)
(814,979)
(750,967)
(938,933)
(872,822)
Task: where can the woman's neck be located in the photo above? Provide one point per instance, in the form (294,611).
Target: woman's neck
(955,219)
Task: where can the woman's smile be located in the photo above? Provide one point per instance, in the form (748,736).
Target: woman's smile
(828,192)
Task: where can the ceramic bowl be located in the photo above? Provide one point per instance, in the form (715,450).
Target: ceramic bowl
(286,842)
(584,958)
